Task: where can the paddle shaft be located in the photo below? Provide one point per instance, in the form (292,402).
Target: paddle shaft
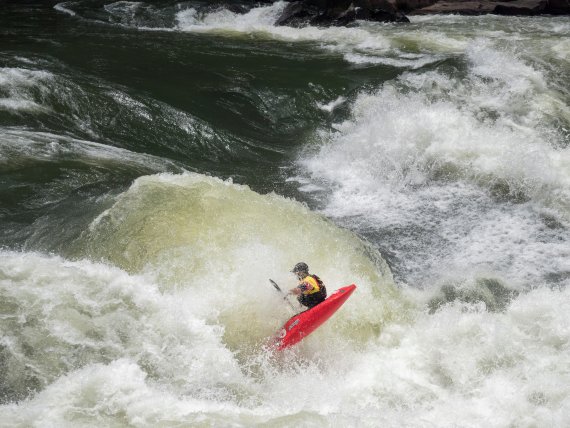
(281,291)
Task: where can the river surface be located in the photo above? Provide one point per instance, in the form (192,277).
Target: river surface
(160,161)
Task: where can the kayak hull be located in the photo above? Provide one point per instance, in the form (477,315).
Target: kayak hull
(301,325)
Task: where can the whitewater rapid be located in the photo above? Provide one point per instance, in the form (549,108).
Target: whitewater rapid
(136,292)
(107,347)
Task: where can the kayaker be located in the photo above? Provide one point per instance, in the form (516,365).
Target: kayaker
(311,291)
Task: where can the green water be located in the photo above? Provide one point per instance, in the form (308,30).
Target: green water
(251,101)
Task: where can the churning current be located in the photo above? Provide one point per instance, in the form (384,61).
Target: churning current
(161,161)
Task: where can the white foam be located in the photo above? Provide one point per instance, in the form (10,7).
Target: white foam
(125,11)
(17,87)
(413,64)
(261,21)
(17,145)
(329,107)
(103,313)
(112,347)
(491,369)
(562,50)
(258,19)
(133,105)
(19,105)
(62,8)
(473,136)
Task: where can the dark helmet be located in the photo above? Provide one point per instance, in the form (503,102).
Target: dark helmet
(300,267)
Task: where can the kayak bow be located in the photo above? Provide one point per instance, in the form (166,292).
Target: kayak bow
(301,325)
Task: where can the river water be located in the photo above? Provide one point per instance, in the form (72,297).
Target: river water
(160,161)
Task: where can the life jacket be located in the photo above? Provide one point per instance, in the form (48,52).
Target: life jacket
(315,281)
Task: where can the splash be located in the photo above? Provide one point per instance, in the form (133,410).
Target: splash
(223,241)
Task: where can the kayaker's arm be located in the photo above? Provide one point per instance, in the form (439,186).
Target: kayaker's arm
(302,287)
(296,291)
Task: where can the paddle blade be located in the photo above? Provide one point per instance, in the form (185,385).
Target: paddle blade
(275,285)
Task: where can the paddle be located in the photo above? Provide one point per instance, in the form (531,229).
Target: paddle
(281,291)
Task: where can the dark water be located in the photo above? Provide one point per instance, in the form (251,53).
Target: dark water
(237,108)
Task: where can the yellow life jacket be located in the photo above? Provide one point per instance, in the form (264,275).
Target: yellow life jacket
(310,280)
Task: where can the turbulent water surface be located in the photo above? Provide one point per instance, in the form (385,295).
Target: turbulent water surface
(160,161)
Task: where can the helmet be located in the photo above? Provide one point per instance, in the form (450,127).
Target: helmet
(300,267)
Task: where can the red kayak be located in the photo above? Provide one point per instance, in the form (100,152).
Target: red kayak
(303,324)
